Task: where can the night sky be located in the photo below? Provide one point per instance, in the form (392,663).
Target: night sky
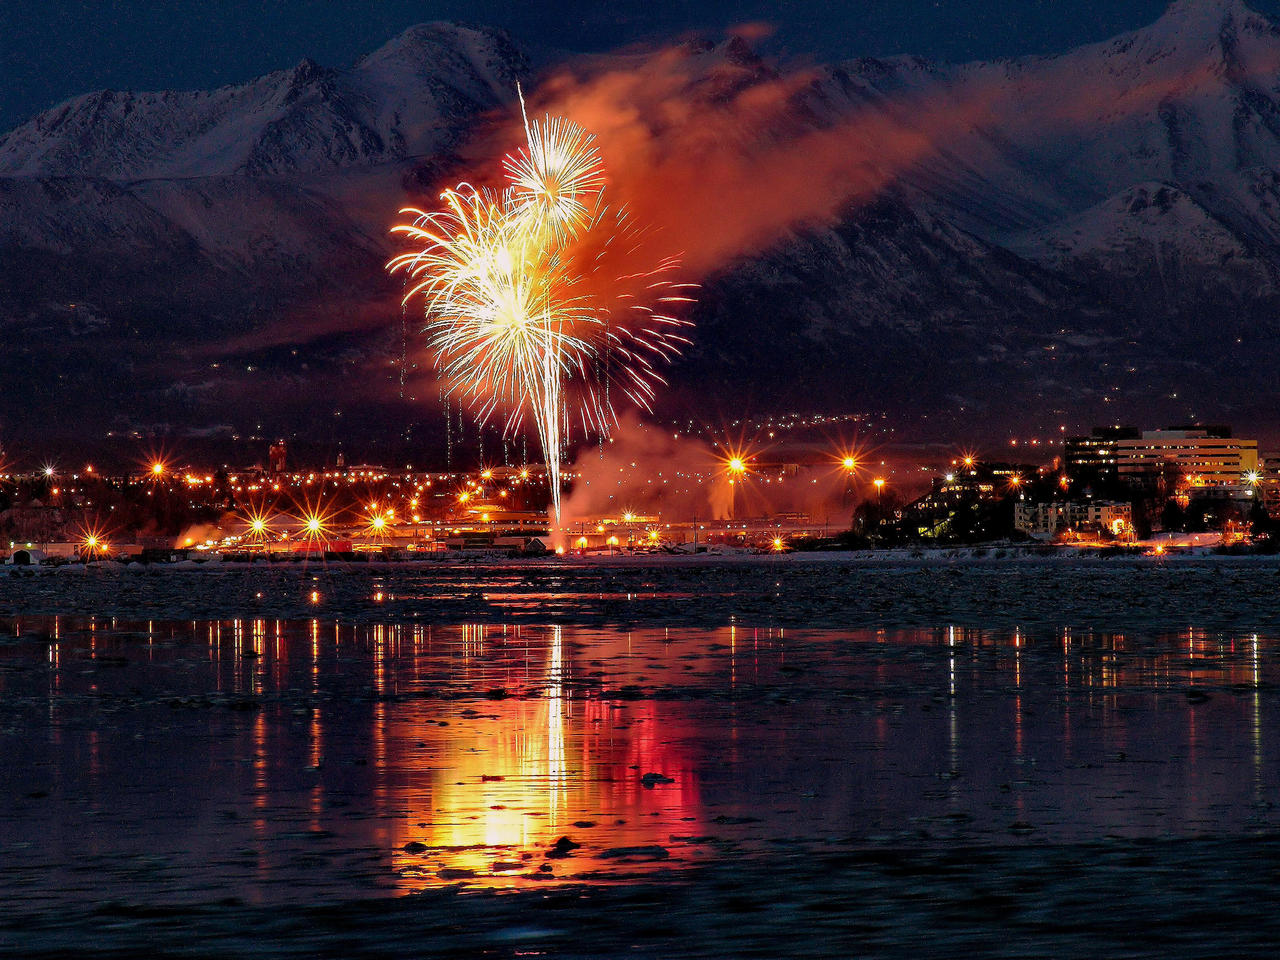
(54,49)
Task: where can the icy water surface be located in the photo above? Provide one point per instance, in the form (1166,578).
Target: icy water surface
(276,761)
(349,786)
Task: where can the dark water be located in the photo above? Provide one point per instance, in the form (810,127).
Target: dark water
(798,590)
(161,777)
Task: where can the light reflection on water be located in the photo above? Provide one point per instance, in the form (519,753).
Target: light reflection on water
(274,760)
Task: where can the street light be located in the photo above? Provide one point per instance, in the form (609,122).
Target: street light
(735,466)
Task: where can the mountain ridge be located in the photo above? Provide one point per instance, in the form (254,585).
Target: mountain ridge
(1050,257)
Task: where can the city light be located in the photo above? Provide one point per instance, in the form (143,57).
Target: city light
(93,542)
(258,523)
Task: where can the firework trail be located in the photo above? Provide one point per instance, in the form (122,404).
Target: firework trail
(533,304)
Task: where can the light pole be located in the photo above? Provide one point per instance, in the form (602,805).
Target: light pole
(736,467)
(850,465)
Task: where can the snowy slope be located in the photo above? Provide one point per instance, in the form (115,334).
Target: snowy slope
(410,98)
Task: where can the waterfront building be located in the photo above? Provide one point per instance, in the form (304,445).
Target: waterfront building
(1268,484)
(1053,517)
(1199,456)
(1096,457)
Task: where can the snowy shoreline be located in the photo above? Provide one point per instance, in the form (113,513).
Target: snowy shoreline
(977,555)
(828,590)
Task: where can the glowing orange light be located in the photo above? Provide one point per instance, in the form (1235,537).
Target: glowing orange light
(93,542)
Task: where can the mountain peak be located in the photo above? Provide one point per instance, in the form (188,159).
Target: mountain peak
(307,70)
(430,38)
(1211,14)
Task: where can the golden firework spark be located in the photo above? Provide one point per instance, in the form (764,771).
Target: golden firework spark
(528,304)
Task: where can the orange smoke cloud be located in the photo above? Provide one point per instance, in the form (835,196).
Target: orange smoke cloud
(752,31)
(650,471)
(645,470)
(724,156)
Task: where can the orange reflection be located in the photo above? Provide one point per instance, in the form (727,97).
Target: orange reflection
(501,787)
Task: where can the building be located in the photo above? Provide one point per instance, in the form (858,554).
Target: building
(1052,517)
(1269,484)
(1096,457)
(278,455)
(1197,456)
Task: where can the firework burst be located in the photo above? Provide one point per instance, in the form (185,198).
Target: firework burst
(533,305)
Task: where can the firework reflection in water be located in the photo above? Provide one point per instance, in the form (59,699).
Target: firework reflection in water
(533,303)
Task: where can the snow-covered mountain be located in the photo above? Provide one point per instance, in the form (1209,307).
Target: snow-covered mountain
(1103,228)
(410,98)
(1083,231)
